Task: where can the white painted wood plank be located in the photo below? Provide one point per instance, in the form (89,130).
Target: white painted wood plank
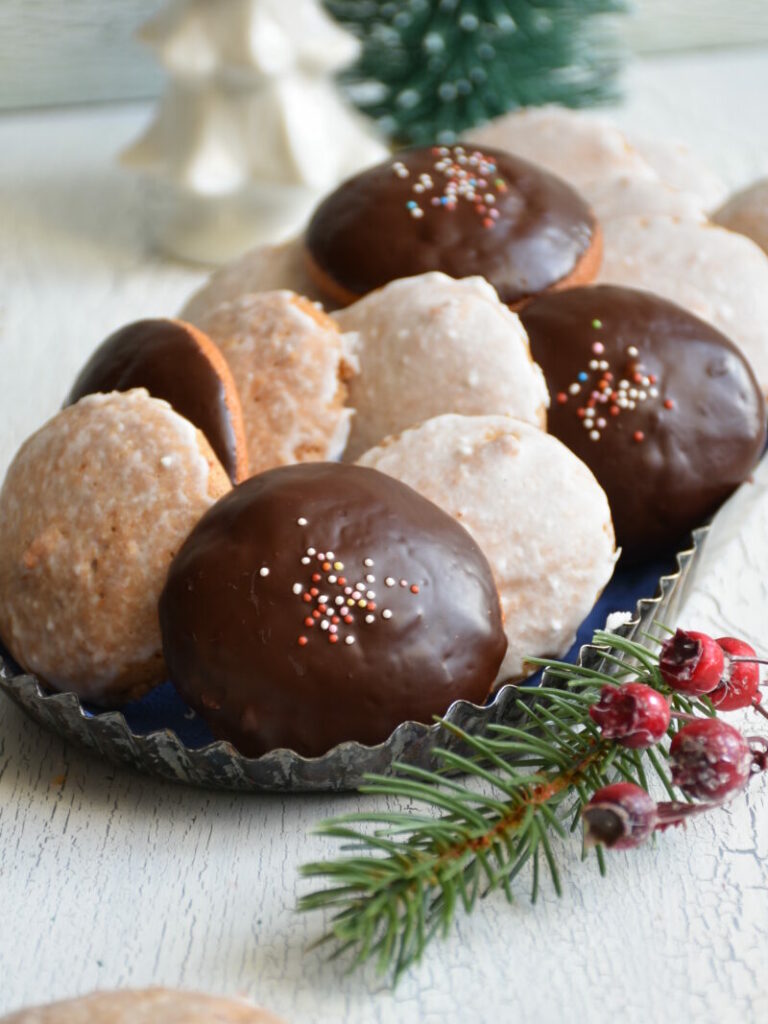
(108,878)
(654,26)
(64,51)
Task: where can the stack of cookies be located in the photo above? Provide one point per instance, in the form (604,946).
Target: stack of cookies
(322,524)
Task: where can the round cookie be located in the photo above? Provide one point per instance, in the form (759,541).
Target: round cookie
(680,168)
(615,176)
(747,213)
(143,1006)
(579,148)
(462,212)
(93,509)
(266,268)
(536,511)
(174,361)
(428,345)
(630,195)
(661,406)
(715,274)
(322,603)
(290,364)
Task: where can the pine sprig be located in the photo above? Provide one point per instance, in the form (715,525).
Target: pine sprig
(404,873)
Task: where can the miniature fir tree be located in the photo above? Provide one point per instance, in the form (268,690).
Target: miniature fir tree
(430,69)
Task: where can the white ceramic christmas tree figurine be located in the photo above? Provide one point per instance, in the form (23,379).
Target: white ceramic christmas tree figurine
(252,130)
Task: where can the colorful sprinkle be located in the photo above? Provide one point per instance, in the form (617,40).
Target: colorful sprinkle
(465,177)
(623,395)
(335,613)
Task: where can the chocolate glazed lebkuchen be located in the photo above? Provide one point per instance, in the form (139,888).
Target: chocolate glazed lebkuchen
(458,210)
(324,602)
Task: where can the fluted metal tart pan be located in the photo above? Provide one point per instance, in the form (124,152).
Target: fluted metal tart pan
(218,765)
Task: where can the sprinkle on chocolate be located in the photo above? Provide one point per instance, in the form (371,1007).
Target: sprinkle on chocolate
(462,176)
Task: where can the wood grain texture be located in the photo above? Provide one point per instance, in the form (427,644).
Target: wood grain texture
(654,26)
(111,879)
(66,51)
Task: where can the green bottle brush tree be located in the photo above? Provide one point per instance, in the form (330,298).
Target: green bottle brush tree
(431,69)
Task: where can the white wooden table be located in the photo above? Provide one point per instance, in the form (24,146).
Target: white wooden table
(108,878)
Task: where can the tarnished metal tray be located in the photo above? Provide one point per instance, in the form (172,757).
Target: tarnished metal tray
(161,752)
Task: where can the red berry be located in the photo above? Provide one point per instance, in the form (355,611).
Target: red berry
(634,715)
(740,684)
(691,662)
(619,816)
(709,759)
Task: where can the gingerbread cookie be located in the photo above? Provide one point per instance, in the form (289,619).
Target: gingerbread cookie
(322,603)
(631,195)
(144,1006)
(94,507)
(578,147)
(716,274)
(536,511)
(462,211)
(678,167)
(174,361)
(428,345)
(747,213)
(290,364)
(264,269)
(615,176)
(661,406)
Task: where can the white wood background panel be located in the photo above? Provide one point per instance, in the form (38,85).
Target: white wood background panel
(109,878)
(62,51)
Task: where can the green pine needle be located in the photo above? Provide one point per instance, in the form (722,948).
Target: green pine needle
(403,874)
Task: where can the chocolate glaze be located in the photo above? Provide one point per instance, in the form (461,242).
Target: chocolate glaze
(231,631)
(363,235)
(167,358)
(701,435)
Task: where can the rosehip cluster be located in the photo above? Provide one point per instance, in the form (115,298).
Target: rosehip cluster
(726,669)
(709,760)
(637,716)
